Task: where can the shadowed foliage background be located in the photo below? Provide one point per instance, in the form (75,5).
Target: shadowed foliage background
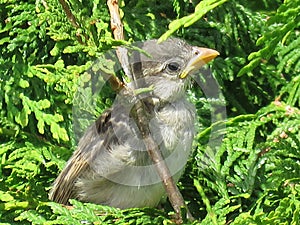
(251,178)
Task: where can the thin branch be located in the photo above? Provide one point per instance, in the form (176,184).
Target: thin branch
(154,152)
(69,14)
(72,19)
(115,83)
(142,121)
(117,29)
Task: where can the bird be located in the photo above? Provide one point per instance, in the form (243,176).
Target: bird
(111,165)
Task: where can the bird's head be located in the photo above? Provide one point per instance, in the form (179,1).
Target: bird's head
(167,66)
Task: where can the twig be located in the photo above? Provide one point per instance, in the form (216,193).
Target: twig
(117,29)
(72,19)
(69,14)
(154,152)
(116,83)
(142,121)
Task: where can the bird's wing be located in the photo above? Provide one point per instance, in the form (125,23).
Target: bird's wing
(100,132)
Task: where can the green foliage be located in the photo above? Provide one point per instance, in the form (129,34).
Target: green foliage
(280,40)
(87,213)
(25,163)
(200,10)
(244,170)
(247,171)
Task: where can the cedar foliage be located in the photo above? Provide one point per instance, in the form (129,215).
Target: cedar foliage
(250,177)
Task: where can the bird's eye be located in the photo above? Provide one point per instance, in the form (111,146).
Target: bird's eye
(173,66)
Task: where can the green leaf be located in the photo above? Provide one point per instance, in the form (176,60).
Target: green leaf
(4,40)
(6,197)
(24,83)
(200,10)
(43,104)
(33,216)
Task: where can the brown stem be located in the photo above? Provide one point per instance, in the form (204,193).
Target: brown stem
(68,12)
(117,29)
(72,19)
(115,22)
(116,83)
(154,152)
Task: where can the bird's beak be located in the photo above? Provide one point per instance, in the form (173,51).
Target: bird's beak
(201,57)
